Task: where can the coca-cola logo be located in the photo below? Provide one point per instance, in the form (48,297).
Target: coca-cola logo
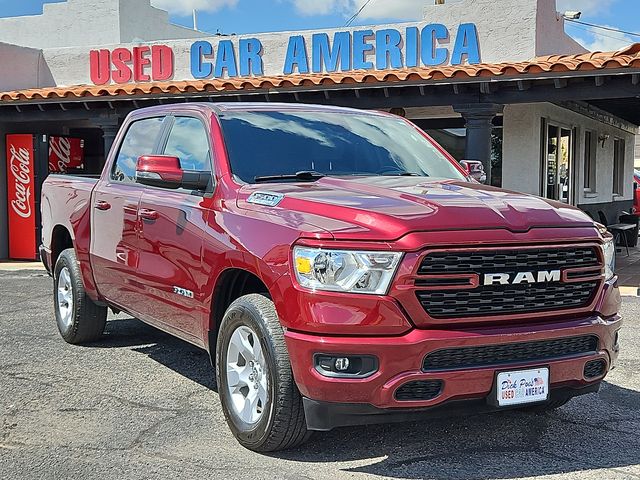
(20,166)
(59,154)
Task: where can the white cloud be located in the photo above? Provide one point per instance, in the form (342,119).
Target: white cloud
(377,9)
(413,9)
(186,7)
(587,7)
(598,40)
(309,8)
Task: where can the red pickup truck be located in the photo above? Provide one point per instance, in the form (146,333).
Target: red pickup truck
(339,267)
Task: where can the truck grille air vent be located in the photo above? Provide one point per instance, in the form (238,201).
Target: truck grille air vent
(595,369)
(527,352)
(420,390)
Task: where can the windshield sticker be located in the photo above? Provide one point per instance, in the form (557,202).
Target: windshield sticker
(267,199)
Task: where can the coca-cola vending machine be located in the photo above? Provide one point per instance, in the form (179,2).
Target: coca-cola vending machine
(30,159)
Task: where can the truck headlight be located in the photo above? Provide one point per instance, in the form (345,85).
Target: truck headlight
(609,248)
(345,270)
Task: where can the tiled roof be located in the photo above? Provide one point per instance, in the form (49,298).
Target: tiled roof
(629,58)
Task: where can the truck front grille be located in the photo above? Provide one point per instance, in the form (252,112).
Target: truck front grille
(507,300)
(527,352)
(491,261)
(453,297)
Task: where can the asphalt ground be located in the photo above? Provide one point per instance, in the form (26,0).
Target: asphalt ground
(142,405)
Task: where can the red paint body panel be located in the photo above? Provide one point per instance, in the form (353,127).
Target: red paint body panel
(636,194)
(137,244)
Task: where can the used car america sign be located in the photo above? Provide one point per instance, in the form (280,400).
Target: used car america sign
(368,49)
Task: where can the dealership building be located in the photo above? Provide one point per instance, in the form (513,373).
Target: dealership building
(495,81)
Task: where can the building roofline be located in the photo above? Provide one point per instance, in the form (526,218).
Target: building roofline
(555,65)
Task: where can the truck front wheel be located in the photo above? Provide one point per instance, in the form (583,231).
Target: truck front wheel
(79,319)
(260,399)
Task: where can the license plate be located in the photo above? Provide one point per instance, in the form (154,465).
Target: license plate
(523,386)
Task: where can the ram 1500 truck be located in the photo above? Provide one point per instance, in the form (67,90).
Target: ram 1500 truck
(339,267)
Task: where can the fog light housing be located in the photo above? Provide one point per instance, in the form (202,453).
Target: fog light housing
(345,366)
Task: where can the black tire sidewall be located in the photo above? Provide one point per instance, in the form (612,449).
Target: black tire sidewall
(67,259)
(245,314)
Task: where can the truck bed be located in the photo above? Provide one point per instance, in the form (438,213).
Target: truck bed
(66,201)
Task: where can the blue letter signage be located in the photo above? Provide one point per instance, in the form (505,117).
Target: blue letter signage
(386,49)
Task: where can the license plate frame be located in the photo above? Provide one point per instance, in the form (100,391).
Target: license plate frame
(519,398)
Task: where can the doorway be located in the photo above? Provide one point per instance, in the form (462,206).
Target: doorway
(558,163)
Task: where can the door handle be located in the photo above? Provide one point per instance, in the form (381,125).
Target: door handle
(102,205)
(147,214)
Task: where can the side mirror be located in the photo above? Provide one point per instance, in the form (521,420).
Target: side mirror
(475,170)
(165,172)
(159,171)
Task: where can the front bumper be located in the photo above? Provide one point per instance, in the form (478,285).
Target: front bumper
(401,359)
(325,416)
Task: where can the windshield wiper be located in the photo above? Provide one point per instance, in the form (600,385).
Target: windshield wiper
(304,176)
(402,174)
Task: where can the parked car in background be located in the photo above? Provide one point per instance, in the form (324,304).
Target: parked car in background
(475,169)
(339,267)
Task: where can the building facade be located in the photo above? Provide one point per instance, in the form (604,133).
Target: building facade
(499,82)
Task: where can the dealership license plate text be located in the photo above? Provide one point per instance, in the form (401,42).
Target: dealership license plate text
(523,386)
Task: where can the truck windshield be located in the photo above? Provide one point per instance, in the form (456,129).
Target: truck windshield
(277,146)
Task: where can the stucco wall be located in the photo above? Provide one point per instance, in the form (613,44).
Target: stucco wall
(522,151)
(91,22)
(499,24)
(550,36)
(27,67)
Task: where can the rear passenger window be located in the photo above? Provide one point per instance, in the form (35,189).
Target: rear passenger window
(140,139)
(189,141)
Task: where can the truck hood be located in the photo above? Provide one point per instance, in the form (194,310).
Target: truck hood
(386,208)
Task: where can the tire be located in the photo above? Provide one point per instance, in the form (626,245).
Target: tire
(79,319)
(277,421)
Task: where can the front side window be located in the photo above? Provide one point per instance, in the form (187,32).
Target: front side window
(264,144)
(189,141)
(140,139)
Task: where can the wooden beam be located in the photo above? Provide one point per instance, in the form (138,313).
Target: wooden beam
(560,82)
(486,88)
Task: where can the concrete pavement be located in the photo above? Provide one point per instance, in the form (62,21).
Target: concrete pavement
(142,405)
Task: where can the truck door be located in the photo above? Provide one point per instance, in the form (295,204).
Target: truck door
(172,225)
(114,218)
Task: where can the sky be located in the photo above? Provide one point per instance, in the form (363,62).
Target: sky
(255,16)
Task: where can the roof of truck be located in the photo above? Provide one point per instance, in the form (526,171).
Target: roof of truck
(221,108)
